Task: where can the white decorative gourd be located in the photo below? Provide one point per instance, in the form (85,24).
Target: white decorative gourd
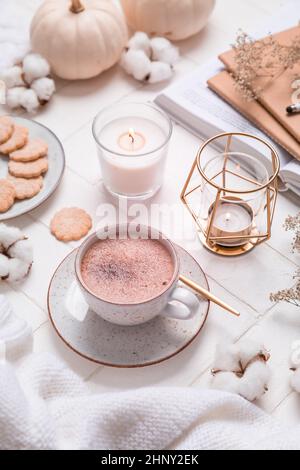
(174,19)
(79,38)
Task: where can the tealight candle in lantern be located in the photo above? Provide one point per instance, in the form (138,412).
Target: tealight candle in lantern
(232,195)
(132,141)
(232,219)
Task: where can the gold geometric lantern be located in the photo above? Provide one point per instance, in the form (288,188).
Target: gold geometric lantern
(231,194)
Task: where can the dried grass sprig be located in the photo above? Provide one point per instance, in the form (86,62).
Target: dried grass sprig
(291,295)
(259,62)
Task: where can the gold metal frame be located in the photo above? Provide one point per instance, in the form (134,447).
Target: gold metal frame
(254,238)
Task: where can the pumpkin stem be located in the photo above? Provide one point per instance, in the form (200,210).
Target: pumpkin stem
(76,6)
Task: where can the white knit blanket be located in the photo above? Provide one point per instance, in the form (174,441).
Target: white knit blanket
(15,17)
(43,405)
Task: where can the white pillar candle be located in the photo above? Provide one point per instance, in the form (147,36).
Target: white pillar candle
(132,151)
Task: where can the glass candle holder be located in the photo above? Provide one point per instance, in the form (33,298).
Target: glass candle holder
(232,194)
(132,141)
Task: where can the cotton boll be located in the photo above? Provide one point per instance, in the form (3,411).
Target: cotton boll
(226,357)
(295,357)
(4,266)
(158,45)
(14,96)
(259,371)
(22,250)
(136,63)
(9,235)
(169,56)
(35,66)
(159,72)
(12,76)
(140,41)
(248,350)
(251,390)
(227,381)
(254,382)
(44,88)
(29,101)
(295,381)
(17,270)
(164,51)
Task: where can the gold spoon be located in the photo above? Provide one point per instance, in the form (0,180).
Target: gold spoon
(207,295)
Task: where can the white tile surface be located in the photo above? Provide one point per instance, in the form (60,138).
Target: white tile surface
(24,307)
(74,191)
(251,275)
(81,154)
(244,282)
(289,410)
(287,205)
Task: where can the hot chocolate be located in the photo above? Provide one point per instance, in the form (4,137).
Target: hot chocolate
(127,271)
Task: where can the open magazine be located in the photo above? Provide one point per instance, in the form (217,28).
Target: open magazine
(192,104)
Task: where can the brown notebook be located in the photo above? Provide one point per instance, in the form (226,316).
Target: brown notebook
(223,84)
(278,94)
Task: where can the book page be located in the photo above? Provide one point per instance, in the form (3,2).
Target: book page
(294,168)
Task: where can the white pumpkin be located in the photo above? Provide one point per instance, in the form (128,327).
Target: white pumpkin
(79,38)
(174,19)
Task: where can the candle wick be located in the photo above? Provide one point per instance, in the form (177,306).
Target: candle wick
(131,135)
(227,217)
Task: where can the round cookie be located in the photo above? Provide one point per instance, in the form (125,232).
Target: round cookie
(26,188)
(70,224)
(6,128)
(28,170)
(34,149)
(7,195)
(17,140)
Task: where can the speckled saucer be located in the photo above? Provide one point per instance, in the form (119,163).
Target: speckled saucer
(117,346)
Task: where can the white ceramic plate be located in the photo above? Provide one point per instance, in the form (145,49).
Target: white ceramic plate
(117,346)
(56,160)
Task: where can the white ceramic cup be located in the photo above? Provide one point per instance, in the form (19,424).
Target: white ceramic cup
(174,301)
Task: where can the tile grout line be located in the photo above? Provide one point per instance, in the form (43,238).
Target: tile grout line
(40,326)
(33,301)
(90,376)
(282,254)
(281,401)
(232,294)
(80,176)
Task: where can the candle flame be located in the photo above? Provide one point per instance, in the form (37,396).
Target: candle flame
(228,217)
(131,134)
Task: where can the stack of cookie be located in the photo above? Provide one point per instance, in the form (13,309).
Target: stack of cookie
(27,162)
